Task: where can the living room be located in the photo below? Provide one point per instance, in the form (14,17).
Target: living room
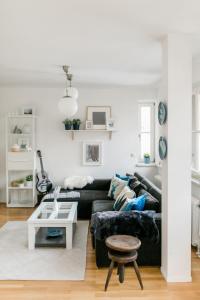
(97,100)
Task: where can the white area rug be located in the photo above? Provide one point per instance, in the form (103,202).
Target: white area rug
(19,263)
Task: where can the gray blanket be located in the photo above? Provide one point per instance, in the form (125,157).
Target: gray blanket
(135,223)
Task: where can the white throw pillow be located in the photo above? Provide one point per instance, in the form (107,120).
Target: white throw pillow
(77,182)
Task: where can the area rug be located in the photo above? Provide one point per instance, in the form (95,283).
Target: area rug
(19,263)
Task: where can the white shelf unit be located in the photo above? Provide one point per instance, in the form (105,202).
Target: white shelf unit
(73,132)
(22,163)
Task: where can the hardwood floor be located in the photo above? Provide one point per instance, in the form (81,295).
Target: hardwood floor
(155,287)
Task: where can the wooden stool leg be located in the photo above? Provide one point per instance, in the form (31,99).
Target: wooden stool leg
(138,274)
(109,274)
(121,273)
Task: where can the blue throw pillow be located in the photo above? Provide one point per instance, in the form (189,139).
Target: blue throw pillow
(135,204)
(126,178)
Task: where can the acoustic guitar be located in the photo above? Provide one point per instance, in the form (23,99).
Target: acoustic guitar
(43,184)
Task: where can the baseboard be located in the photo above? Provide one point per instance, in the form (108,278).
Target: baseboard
(176,278)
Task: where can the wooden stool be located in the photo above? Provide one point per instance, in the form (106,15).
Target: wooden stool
(122,249)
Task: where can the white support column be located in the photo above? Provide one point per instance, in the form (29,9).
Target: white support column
(176,174)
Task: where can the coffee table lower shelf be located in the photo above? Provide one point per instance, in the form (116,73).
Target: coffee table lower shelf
(41,239)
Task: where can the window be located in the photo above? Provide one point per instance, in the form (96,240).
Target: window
(147,130)
(196,132)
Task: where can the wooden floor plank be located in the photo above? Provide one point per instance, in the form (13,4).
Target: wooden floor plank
(155,287)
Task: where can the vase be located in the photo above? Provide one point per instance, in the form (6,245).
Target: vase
(29,184)
(146,160)
(76,126)
(68,127)
(21,185)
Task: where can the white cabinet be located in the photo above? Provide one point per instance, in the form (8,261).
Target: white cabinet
(20,161)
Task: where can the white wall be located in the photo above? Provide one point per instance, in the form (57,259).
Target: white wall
(62,156)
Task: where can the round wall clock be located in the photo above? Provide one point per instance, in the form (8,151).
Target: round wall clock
(162,148)
(162,113)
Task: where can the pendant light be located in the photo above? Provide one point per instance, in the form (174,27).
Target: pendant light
(68,105)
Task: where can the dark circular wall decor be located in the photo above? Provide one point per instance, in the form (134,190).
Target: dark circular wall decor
(162,113)
(162,147)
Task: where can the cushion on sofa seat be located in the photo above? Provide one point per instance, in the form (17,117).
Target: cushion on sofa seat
(102,205)
(151,202)
(122,197)
(116,186)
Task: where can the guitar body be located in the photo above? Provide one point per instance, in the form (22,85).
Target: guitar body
(43,184)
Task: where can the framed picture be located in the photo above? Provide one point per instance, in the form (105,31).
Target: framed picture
(92,153)
(23,143)
(28,111)
(110,124)
(99,116)
(88,125)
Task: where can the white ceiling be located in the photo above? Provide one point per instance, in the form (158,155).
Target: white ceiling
(114,42)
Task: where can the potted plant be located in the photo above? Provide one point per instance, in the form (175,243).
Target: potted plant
(20,183)
(146,158)
(68,124)
(29,180)
(76,124)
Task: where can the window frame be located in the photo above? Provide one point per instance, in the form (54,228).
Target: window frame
(151,104)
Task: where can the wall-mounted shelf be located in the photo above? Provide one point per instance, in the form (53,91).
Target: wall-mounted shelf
(73,132)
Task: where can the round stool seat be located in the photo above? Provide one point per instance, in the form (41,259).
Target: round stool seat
(123,243)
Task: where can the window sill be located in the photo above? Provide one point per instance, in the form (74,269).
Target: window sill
(153,164)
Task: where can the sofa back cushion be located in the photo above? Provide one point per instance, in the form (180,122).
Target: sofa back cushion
(99,185)
(88,195)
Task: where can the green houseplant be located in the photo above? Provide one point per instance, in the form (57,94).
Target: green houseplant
(146,158)
(20,183)
(68,124)
(29,180)
(76,124)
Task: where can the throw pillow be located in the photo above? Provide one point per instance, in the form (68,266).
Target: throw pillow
(116,186)
(135,204)
(151,202)
(136,185)
(122,197)
(126,178)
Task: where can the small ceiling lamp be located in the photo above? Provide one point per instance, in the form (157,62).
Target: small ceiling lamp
(68,105)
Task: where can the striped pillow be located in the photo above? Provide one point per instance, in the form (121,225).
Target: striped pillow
(125,194)
(116,186)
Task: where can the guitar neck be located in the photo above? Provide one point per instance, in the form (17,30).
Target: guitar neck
(42,167)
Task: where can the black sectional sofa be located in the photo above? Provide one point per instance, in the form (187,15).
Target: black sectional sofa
(94,198)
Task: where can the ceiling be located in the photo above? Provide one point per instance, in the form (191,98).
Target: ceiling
(107,42)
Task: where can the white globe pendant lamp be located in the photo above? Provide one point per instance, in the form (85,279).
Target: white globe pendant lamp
(68,105)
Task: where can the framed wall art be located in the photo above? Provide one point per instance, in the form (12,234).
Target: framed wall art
(88,125)
(92,153)
(99,116)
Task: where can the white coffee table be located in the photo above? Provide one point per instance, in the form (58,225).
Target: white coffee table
(46,216)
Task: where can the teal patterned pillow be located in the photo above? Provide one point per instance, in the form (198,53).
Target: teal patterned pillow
(125,194)
(116,186)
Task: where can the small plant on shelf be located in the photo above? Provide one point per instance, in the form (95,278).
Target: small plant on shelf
(29,180)
(146,158)
(68,124)
(20,183)
(76,124)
